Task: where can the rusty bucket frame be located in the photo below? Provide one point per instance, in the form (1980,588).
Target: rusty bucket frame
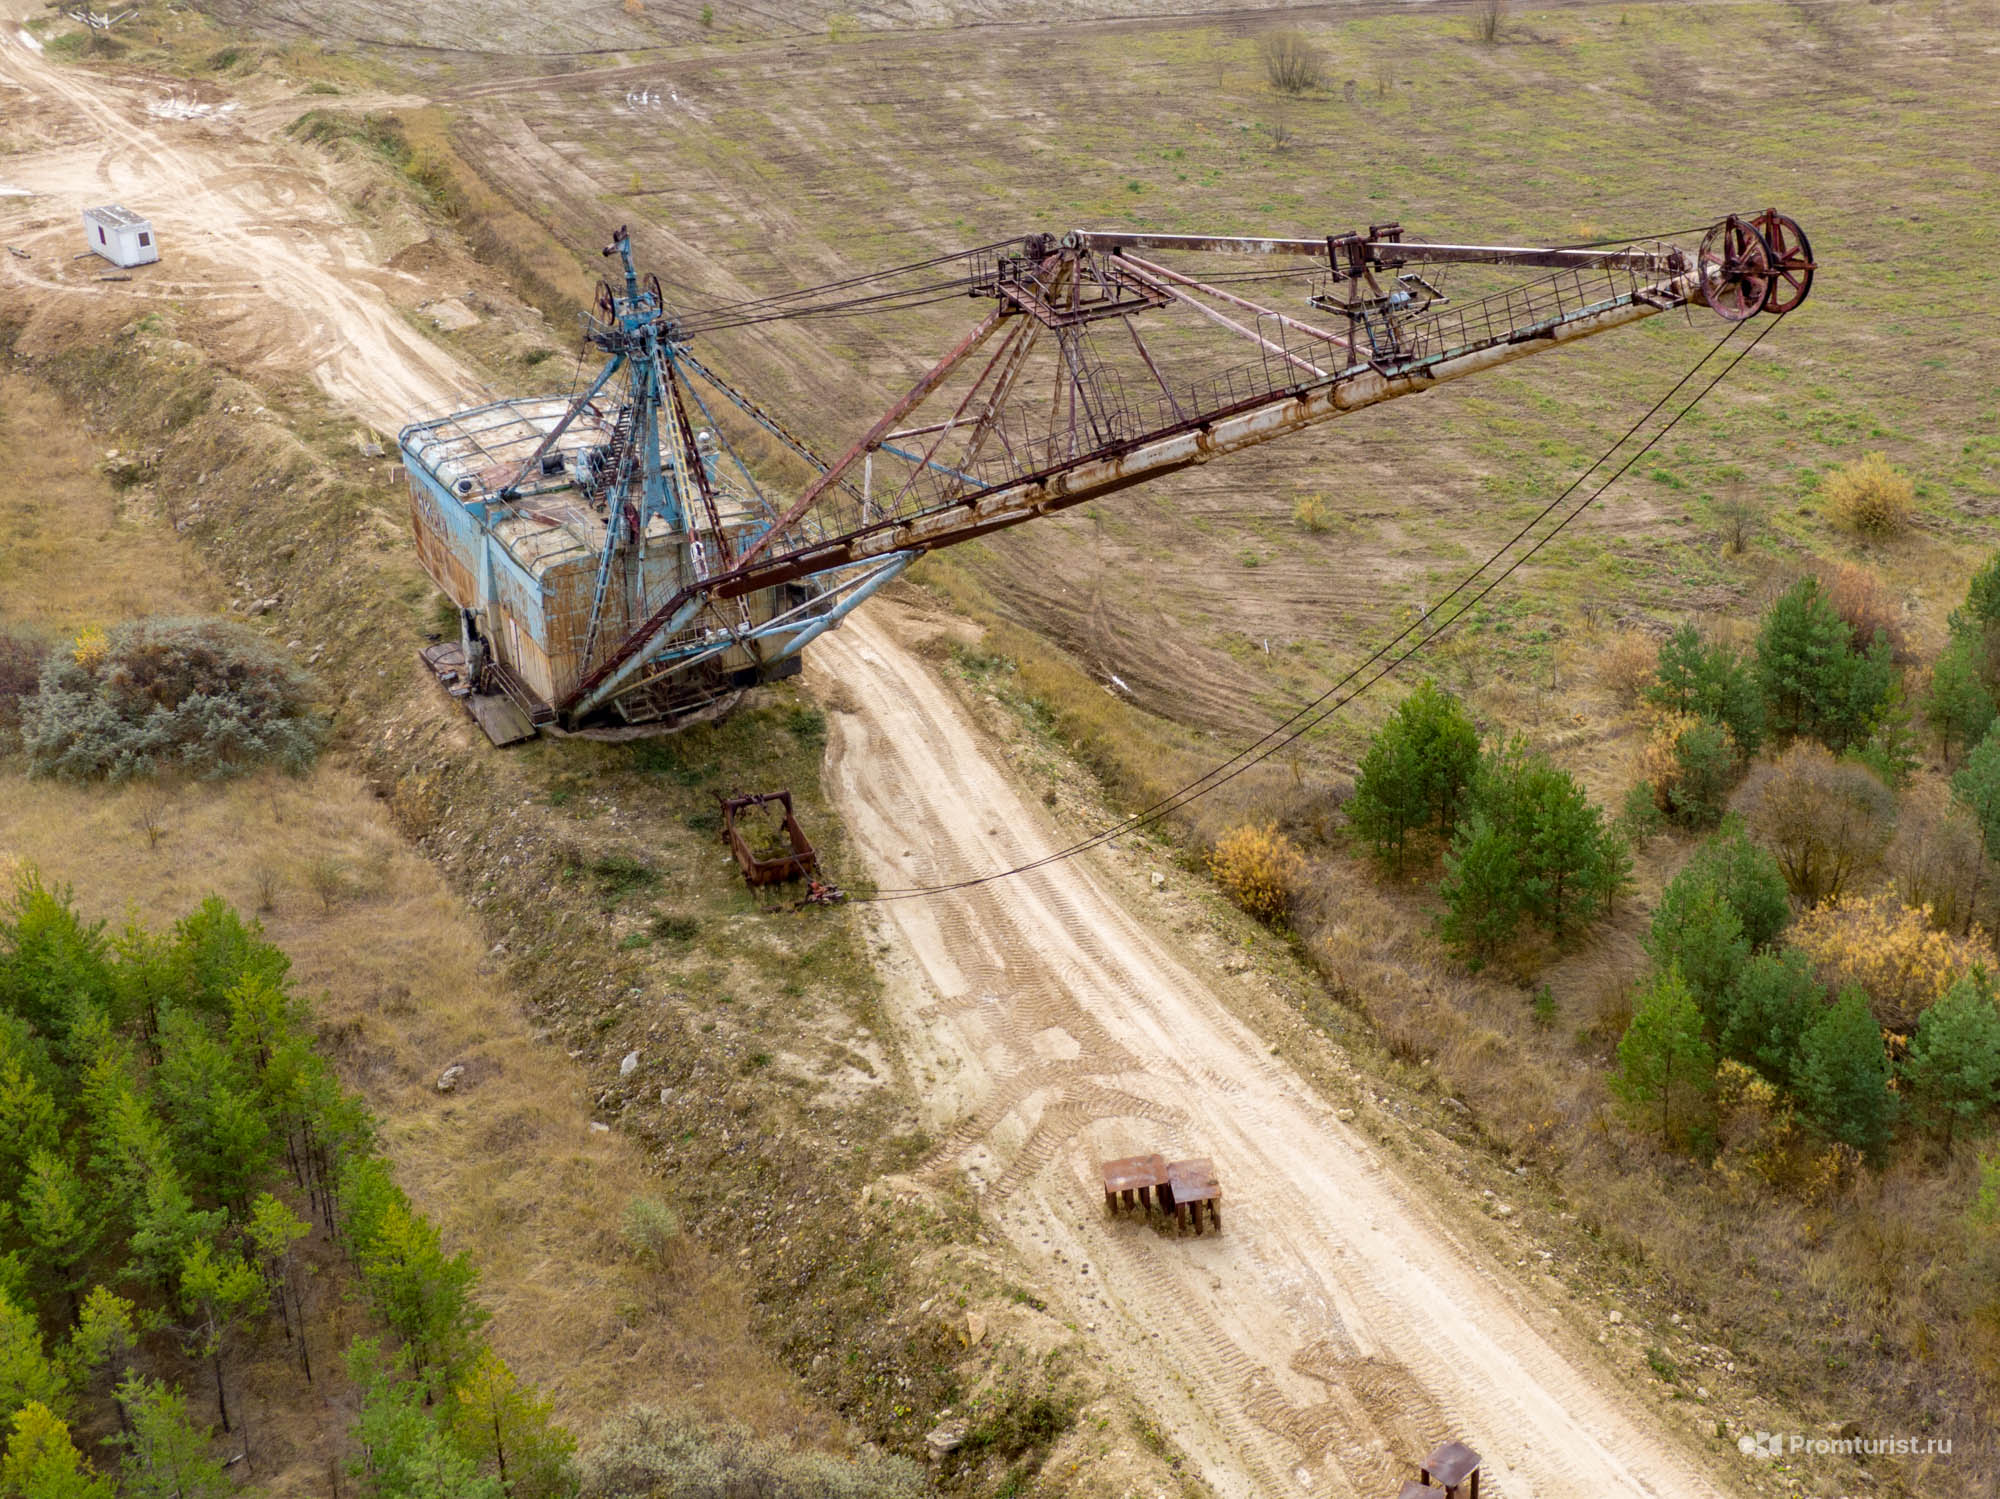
(802,862)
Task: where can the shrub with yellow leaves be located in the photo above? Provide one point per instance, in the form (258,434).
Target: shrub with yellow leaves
(1870,496)
(1259,868)
(90,646)
(1891,950)
(1313,513)
(1761,1143)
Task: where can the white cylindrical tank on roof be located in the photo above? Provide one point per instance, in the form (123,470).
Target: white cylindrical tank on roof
(120,235)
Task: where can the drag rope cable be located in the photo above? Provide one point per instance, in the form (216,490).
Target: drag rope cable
(1292,728)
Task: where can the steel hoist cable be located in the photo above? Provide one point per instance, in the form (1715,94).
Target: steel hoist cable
(1312,714)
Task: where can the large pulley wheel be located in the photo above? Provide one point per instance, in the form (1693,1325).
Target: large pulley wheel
(1791,261)
(1736,275)
(606,306)
(659,297)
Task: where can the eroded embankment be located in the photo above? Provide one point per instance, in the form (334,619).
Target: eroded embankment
(768,1092)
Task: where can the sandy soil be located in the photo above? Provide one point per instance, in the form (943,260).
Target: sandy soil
(1338,1326)
(242,224)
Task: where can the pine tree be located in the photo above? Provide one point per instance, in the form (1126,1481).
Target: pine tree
(1696,930)
(1565,847)
(1842,1078)
(59,1216)
(168,1226)
(1705,767)
(1481,889)
(43,1463)
(1416,772)
(213,951)
(166,1457)
(30,1122)
(421,1292)
(403,1452)
(1666,1068)
(26,1370)
(1560,841)
(142,978)
(1958,707)
(272,1231)
(498,1421)
(1977,622)
(1813,679)
(1748,877)
(1953,1067)
(1775,1001)
(223,1144)
(52,963)
(1977,786)
(128,1144)
(105,1336)
(1711,682)
(217,1290)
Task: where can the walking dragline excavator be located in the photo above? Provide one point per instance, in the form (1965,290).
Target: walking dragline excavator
(617,563)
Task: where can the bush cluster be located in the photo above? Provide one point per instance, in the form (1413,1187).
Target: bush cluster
(1521,840)
(1292,64)
(1890,951)
(646,1454)
(1823,667)
(198,697)
(1870,497)
(1259,868)
(1804,1008)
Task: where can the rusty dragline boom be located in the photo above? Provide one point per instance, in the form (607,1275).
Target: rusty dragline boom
(616,561)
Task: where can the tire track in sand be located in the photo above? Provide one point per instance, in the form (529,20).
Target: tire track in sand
(1336,1328)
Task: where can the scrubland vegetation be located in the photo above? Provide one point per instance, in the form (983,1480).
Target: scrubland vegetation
(191,697)
(1810,1047)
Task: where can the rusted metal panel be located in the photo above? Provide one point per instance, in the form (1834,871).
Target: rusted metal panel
(1454,1468)
(1131,1182)
(1193,1190)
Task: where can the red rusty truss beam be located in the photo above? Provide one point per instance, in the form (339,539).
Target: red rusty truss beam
(1197,439)
(932,379)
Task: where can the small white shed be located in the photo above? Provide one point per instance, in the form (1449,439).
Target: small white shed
(120,235)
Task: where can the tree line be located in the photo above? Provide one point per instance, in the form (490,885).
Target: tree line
(171,1144)
(1874,1007)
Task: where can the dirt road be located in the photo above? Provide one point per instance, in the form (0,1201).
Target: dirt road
(1337,1327)
(242,225)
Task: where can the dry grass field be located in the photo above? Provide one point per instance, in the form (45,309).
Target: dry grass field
(760,169)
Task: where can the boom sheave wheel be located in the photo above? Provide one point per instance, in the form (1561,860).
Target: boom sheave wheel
(1736,274)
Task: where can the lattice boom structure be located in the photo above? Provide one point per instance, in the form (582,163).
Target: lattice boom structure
(613,560)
